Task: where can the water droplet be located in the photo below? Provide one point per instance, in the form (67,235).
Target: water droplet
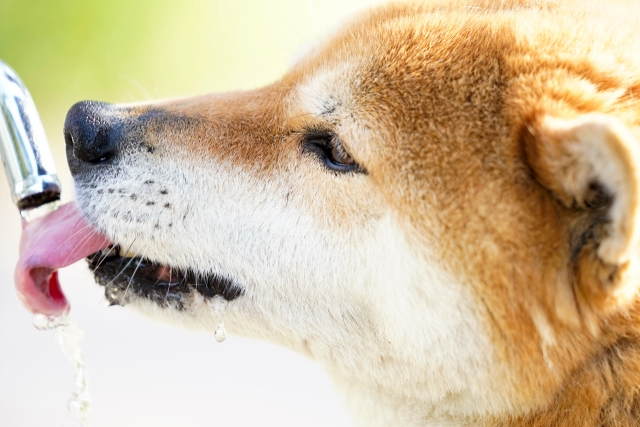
(42,322)
(114,294)
(46,323)
(219,304)
(220,333)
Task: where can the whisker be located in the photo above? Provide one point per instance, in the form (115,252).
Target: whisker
(104,256)
(157,280)
(74,234)
(79,243)
(121,271)
(127,251)
(124,298)
(78,222)
(166,294)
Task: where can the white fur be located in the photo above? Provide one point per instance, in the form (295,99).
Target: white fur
(352,294)
(334,278)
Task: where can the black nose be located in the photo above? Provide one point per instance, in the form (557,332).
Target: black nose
(89,132)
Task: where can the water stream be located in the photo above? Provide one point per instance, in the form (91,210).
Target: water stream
(69,336)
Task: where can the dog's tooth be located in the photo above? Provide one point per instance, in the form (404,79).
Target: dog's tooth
(127,254)
(109,252)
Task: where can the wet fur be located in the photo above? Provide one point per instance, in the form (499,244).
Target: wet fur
(471,276)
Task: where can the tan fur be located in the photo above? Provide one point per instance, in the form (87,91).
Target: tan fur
(463,114)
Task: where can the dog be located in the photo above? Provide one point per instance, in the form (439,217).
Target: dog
(439,204)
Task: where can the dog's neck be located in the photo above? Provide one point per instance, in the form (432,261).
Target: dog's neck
(603,392)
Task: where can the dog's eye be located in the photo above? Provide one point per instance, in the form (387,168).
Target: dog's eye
(331,151)
(339,156)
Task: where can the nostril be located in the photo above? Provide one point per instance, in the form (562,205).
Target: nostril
(101,149)
(88,133)
(68,139)
(90,144)
(105,158)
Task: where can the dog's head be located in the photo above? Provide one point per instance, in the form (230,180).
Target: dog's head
(439,204)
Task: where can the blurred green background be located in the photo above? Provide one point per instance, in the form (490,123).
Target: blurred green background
(123,51)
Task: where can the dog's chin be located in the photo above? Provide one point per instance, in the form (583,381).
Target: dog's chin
(128,278)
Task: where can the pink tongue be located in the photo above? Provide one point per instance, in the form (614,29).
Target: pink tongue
(55,241)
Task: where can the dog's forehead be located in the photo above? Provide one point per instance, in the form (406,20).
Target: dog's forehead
(394,80)
(323,92)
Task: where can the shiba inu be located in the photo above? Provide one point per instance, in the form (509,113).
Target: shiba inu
(439,204)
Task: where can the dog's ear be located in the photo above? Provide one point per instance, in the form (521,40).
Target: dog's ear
(592,165)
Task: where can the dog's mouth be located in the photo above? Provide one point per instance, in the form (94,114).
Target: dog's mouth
(126,277)
(65,236)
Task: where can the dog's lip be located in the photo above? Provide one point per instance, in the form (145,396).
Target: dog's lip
(57,240)
(125,276)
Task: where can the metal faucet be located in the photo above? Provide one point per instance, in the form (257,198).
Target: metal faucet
(24,148)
